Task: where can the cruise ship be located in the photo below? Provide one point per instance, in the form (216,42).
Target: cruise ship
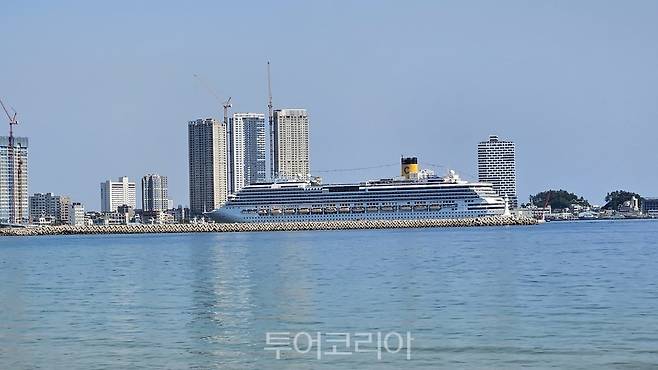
(414,195)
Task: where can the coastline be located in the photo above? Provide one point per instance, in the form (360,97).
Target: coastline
(262,227)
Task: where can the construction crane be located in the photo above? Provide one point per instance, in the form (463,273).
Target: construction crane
(225,104)
(12,120)
(13,174)
(270,106)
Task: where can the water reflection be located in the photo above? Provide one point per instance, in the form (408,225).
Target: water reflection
(548,296)
(222,308)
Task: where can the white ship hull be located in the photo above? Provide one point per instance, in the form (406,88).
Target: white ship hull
(236,214)
(381,200)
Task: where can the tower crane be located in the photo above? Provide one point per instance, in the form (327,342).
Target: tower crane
(14,174)
(225,104)
(270,106)
(229,135)
(12,120)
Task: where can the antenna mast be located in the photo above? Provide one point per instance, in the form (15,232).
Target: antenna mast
(270,106)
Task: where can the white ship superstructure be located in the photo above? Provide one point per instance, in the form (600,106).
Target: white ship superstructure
(416,195)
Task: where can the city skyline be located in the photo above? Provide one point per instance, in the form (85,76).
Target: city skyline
(429,80)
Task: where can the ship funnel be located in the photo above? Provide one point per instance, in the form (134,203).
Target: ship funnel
(409,167)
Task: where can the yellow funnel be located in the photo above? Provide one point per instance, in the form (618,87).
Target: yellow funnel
(409,167)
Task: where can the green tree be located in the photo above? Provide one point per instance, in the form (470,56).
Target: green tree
(558,199)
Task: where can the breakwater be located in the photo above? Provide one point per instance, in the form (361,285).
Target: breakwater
(253,227)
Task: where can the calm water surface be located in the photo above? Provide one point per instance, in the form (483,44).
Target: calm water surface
(561,295)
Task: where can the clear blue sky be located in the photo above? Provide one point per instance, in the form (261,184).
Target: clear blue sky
(105,90)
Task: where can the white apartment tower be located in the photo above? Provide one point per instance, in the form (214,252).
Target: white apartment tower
(14,200)
(291,149)
(497,165)
(154,193)
(207,165)
(246,150)
(76,214)
(117,193)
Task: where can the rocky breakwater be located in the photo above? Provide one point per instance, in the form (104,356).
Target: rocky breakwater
(273,226)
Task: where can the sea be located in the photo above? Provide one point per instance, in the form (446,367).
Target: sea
(572,295)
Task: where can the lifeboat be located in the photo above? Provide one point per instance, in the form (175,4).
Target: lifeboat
(344,209)
(276,211)
(405,208)
(289,211)
(262,212)
(330,210)
(372,208)
(420,207)
(304,211)
(388,208)
(358,209)
(435,207)
(316,211)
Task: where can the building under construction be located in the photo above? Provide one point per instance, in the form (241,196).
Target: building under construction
(14,203)
(14,200)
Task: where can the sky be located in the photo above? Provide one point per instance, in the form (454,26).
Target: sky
(105,89)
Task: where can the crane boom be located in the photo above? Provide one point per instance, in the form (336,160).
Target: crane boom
(225,104)
(6,112)
(270,106)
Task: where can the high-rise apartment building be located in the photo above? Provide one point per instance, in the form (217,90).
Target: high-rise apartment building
(154,193)
(497,165)
(291,148)
(207,165)
(246,150)
(14,200)
(117,193)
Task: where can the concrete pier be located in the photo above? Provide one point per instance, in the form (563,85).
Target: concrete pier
(251,227)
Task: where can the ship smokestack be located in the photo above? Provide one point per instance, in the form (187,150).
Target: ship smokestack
(409,167)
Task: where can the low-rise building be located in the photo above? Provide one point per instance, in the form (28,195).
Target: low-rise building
(157,217)
(650,207)
(48,206)
(181,214)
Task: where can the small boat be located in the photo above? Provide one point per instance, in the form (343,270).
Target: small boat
(330,210)
(372,208)
(420,207)
(344,209)
(263,212)
(388,208)
(435,207)
(276,211)
(358,209)
(405,208)
(316,211)
(289,211)
(304,211)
